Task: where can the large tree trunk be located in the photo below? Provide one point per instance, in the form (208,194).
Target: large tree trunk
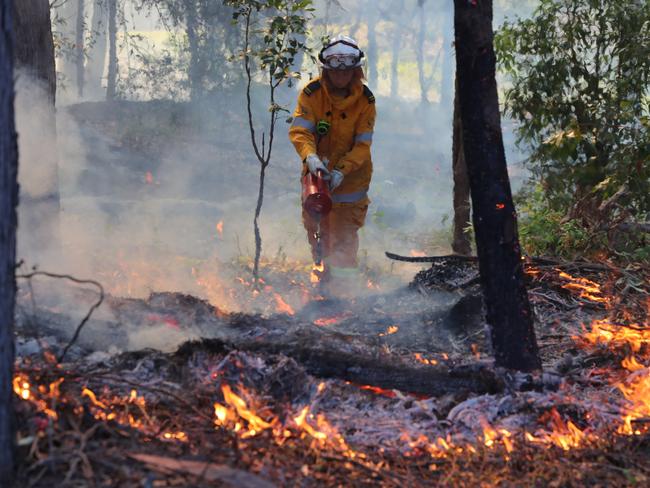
(461,243)
(8,203)
(36,122)
(111,80)
(34,45)
(495,225)
(97,55)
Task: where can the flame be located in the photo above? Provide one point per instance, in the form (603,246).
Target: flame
(220,229)
(238,409)
(391,330)
(301,422)
(417,254)
(565,435)
(148,178)
(177,436)
(325,321)
(374,389)
(316,273)
(282,306)
(631,364)
(22,386)
(636,390)
(420,359)
(616,336)
(587,288)
(493,437)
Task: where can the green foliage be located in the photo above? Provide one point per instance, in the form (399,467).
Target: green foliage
(580,92)
(279,29)
(544,230)
(194,61)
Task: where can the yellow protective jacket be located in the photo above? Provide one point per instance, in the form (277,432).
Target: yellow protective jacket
(347,144)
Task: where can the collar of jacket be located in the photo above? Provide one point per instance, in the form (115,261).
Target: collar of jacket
(356,92)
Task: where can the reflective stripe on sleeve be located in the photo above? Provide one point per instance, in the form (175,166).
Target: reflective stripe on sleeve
(365,137)
(305,123)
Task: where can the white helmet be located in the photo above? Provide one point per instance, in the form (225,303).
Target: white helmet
(342,52)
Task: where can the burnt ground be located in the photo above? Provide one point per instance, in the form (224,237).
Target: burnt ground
(458,421)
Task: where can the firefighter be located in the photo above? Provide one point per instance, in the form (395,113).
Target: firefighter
(332,132)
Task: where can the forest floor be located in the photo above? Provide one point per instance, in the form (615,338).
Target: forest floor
(232,411)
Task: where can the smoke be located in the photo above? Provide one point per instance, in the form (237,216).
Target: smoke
(160,196)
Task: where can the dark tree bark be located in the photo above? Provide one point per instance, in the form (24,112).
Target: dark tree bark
(34,60)
(111,80)
(97,55)
(461,242)
(8,222)
(34,45)
(495,225)
(79,46)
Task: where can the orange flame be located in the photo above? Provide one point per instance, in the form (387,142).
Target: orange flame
(220,229)
(282,306)
(420,359)
(391,330)
(587,288)
(316,273)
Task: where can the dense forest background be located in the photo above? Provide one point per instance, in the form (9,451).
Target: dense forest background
(154,156)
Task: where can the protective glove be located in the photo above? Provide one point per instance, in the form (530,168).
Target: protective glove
(315,165)
(336,178)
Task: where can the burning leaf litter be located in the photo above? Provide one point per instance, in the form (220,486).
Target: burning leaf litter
(361,433)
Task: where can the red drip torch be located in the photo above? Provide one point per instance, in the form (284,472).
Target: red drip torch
(317,202)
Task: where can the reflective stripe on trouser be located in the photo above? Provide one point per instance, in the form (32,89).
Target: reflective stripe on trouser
(349,197)
(339,233)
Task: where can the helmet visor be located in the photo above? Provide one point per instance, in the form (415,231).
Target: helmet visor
(341,61)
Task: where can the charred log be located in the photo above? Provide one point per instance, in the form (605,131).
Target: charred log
(359,357)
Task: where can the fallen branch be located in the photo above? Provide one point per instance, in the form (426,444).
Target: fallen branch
(96,305)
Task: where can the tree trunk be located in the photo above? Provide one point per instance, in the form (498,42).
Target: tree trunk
(34,45)
(79,47)
(371,58)
(397,44)
(419,54)
(195,71)
(447,75)
(36,123)
(97,55)
(461,243)
(8,203)
(111,80)
(495,226)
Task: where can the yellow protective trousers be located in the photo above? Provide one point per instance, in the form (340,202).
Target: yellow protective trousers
(339,233)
